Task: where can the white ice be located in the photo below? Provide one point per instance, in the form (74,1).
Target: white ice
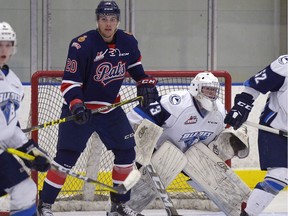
(278,207)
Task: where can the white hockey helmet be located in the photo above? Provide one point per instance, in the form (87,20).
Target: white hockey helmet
(205,88)
(8,34)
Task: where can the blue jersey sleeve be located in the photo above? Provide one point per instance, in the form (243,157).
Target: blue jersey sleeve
(265,80)
(155,112)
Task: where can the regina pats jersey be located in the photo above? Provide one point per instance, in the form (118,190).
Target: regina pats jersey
(11,95)
(273,79)
(95,70)
(180,117)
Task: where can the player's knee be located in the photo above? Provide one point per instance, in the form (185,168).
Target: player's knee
(120,172)
(275,180)
(55,177)
(124,156)
(23,195)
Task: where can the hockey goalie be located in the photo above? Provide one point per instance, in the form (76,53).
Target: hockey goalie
(193,123)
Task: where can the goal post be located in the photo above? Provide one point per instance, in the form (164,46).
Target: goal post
(96,161)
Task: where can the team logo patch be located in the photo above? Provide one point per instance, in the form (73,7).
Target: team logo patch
(76,45)
(174,99)
(82,38)
(283,59)
(191,120)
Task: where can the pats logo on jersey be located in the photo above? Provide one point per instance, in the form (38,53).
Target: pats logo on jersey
(106,72)
(174,99)
(191,120)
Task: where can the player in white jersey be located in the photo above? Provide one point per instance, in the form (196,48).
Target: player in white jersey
(186,116)
(272,147)
(192,116)
(15,181)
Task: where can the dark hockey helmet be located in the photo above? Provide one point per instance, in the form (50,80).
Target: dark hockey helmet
(107,7)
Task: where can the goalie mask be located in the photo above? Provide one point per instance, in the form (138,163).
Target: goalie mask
(7,34)
(205,88)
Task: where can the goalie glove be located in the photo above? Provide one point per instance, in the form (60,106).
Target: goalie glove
(146,88)
(240,111)
(79,110)
(41,162)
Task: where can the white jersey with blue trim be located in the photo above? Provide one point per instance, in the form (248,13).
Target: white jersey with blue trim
(11,95)
(273,78)
(183,122)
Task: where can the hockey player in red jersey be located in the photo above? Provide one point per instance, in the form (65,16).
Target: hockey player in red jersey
(96,64)
(272,147)
(14,180)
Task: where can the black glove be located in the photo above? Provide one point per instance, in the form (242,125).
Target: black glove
(147,89)
(240,111)
(81,113)
(41,162)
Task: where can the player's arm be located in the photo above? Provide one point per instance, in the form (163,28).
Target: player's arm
(270,78)
(146,85)
(72,82)
(154,112)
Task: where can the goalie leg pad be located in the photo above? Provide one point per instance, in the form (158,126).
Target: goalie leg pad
(168,161)
(217,180)
(146,137)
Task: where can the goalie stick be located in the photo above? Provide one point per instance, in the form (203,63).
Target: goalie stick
(266,128)
(123,188)
(69,118)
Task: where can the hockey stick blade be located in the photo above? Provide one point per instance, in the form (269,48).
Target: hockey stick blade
(129,182)
(69,118)
(266,128)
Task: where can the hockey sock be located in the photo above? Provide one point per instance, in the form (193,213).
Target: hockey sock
(119,174)
(53,184)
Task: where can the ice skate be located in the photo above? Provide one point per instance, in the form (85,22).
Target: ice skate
(45,209)
(121,209)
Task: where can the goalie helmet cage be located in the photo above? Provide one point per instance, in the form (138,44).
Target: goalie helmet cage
(96,161)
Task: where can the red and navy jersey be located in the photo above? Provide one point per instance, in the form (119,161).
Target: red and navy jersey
(95,70)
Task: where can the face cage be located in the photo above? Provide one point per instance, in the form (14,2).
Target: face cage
(209,91)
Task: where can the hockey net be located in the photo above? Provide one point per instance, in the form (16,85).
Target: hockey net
(96,162)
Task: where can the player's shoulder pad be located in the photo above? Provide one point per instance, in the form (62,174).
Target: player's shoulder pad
(125,36)
(176,101)
(280,66)
(83,39)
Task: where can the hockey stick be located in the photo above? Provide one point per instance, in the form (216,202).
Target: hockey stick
(266,128)
(165,198)
(123,188)
(69,118)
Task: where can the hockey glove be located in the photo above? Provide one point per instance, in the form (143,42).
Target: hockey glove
(81,113)
(41,162)
(146,88)
(240,111)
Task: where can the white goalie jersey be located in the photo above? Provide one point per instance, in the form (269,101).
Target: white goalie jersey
(184,122)
(11,95)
